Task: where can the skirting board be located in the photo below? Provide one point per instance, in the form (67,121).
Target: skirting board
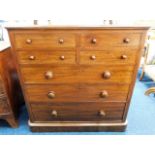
(77,126)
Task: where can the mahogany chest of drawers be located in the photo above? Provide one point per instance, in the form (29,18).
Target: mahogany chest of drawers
(77,78)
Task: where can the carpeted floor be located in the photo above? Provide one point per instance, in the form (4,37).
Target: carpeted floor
(141,116)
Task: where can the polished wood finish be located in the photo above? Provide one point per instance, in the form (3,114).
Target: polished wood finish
(117,57)
(54,113)
(46,57)
(77,126)
(76,74)
(124,57)
(77,92)
(48,75)
(104,94)
(10,92)
(51,94)
(52,40)
(104,40)
(77,111)
(126,40)
(102,113)
(32,57)
(77,78)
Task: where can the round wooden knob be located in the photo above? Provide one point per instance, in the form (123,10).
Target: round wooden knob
(106,74)
(62,57)
(102,113)
(61,41)
(104,94)
(51,95)
(49,75)
(126,40)
(32,57)
(54,113)
(93,41)
(93,57)
(123,57)
(28,41)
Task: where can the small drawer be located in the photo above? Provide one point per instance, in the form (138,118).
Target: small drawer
(108,57)
(106,40)
(77,92)
(77,74)
(51,40)
(77,111)
(46,57)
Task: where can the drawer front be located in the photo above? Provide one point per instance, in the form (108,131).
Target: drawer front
(49,40)
(77,92)
(77,74)
(107,40)
(46,57)
(77,111)
(115,57)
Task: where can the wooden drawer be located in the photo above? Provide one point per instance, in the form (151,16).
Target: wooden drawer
(77,74)
(46,57)
(106,40)
(58,40)
(77,92)
(77,111)
(108,57)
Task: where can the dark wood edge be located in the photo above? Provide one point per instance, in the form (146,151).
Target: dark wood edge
(143,37)
(75,126)
(13,52)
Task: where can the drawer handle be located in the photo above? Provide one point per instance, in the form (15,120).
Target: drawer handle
(32,57)
(93,57)
(62,57)
(28,41)
(123,57)
(93,41)
(49,75)
(104,94)
(51,95)
(126,40)
(102,113)
(54,113)
(106,74)
(61,41)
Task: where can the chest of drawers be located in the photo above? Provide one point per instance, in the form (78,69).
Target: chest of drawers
(77,78)
(10,91)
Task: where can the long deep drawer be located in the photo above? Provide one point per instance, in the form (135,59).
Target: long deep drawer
(77,74)
(77,111)
(77,92)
